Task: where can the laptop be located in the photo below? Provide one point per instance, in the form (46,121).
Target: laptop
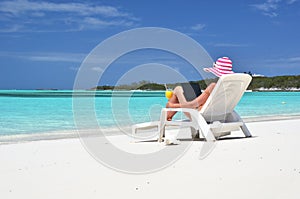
(191,90)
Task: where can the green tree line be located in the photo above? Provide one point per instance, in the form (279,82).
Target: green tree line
(281,82)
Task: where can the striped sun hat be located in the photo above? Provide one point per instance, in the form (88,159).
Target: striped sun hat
(222,66)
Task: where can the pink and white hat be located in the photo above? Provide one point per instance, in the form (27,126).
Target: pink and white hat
(222,66)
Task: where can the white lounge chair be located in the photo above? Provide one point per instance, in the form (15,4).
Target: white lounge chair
(145,126)
(217,117)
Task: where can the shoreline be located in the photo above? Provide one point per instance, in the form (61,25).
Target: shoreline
(113,93)
(109,131)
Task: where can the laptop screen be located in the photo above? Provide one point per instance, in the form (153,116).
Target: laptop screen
(191,90)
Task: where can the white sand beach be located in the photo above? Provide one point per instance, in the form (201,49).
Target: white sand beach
(264,166)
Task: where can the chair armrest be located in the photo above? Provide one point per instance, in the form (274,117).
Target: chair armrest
(188,110)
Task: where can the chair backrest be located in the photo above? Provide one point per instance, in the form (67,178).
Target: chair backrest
(225,96)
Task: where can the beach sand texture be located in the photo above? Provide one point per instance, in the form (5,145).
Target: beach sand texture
(264,166)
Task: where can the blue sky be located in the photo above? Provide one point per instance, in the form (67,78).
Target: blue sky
(44,42)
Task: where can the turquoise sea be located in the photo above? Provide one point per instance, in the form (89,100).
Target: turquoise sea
(36,112)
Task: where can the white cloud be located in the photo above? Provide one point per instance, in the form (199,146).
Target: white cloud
(98,69)
(13,28)
(74,68)
(38,14)
(291,1)
(268,8)
(46,56)
(198,26)
(18,7)
(270,14)
(104,23)
(294,59)
(229,45)
(284,65)
(285,60)
(271,8)
(54,58)
(48,16)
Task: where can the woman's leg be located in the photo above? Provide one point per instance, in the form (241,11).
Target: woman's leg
(196,103)
(172,100)
(204,96)
(178,101)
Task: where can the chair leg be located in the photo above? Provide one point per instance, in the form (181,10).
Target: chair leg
(205,129)
(246,131)
(210,136)
(161,133)
(236,117)
(195,133)
(162,126)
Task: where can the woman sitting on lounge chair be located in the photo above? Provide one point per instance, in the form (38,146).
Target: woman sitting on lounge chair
(221,67)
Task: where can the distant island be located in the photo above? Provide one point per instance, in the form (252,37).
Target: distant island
(259,83)
(280,83)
